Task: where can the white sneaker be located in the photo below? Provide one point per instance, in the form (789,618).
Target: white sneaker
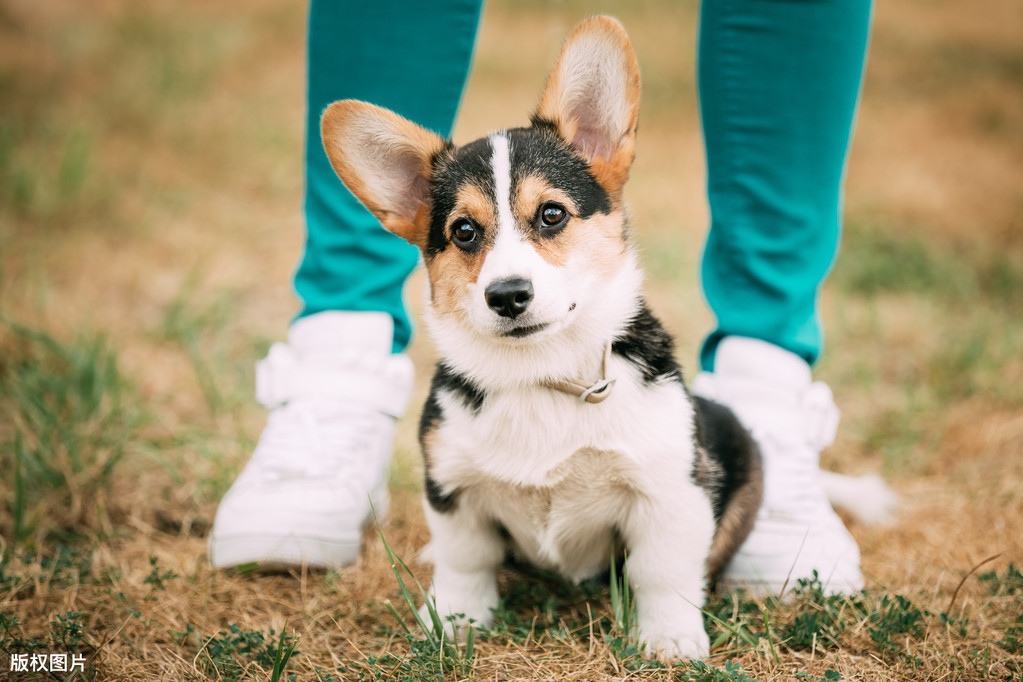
(796,531)
(335,391)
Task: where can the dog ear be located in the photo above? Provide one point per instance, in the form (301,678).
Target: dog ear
(385,161)
(592,97)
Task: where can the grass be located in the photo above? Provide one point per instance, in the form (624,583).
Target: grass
(200,329)
(432,654)
(150,184)
(232,654)
(72,418)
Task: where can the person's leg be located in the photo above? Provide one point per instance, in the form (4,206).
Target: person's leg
(779,82)
(412,58)
(319,471)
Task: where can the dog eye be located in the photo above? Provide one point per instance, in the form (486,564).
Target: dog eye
(463,232)
(552,215)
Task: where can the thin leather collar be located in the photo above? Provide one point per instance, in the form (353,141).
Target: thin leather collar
(588,392)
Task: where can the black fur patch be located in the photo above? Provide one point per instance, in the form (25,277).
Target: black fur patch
(540,151)
(444,379)
(730,447)
(439,501)
(470,164)
(647,345)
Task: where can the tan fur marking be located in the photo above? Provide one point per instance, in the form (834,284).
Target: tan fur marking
(472,202)
(736,522)
(430,441)
(612,174)
(453,271)
(599,240)
(533,191)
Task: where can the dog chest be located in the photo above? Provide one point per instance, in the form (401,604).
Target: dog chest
(559,475)
(568,524)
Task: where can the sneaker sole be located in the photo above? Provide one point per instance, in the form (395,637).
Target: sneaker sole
(273,552)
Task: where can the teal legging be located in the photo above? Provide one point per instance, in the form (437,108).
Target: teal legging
(779,82)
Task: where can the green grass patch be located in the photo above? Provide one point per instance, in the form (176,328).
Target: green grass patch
(698,671)
(200,330)
(812,620)
(538,605)
(237,654)
(875,261)
(1009,584)
(881,260)
(972,360)
(45,171)
(222,362)
(432,653)
(73,417)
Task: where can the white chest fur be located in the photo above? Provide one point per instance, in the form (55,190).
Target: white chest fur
(560,475)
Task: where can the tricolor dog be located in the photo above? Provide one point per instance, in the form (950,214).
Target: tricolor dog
(557,421)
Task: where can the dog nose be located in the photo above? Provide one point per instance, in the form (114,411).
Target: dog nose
(509,297)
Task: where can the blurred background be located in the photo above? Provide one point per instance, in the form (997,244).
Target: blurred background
(150,191)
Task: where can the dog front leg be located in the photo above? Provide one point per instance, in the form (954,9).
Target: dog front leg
(466,551)
(668,542)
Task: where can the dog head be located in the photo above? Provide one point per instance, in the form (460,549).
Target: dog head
(523,232)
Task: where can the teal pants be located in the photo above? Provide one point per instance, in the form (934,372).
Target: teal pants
(779,82)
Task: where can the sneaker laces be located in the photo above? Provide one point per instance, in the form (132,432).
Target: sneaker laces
(316,439)
(327,412)
(792,486)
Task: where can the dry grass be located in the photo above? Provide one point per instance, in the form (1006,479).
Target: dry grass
(150,183)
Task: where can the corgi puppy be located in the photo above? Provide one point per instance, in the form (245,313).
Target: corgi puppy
(557,424)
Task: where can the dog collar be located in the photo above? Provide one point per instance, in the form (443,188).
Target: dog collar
(594,392)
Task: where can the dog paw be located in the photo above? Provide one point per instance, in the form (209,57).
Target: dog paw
(670,642)
(454,623)
(459,599)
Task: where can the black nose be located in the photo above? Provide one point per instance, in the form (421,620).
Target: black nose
(509,297)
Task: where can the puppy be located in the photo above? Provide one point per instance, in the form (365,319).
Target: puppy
(557,419)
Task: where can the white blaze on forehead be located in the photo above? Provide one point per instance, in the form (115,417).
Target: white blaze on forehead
(501,163)
(510,255)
